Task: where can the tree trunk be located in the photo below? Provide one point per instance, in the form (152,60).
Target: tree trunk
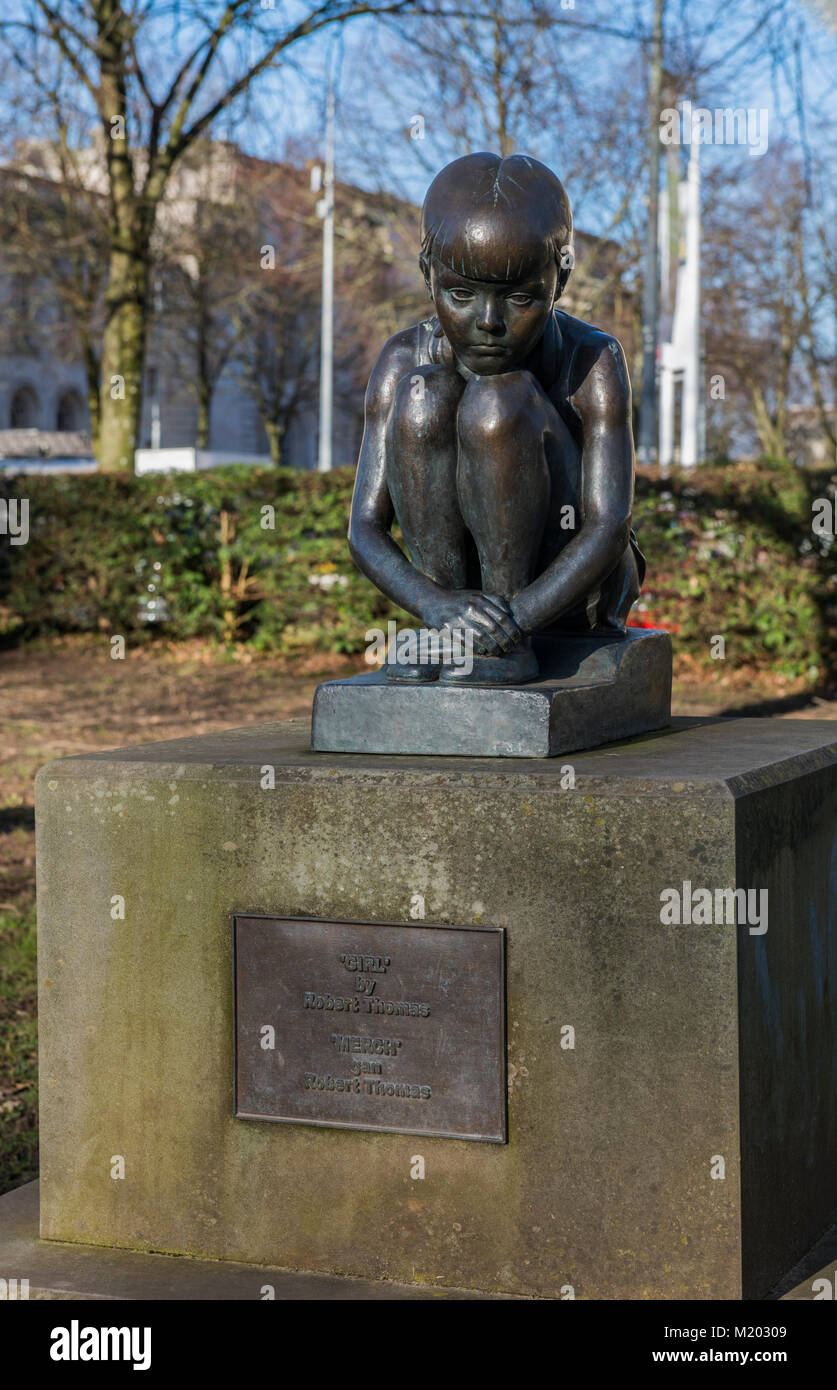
(808,343)
(132,222)
(123,351)
(204,382)
(91,365)
(274,438)
(770,437)
(202,433)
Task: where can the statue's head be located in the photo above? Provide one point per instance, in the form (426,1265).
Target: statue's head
(496,254)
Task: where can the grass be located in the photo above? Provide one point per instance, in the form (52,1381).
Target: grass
(18,1049)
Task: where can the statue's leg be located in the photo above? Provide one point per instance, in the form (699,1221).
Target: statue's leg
(505,435)
(421,473)
(421,477)
(503,476)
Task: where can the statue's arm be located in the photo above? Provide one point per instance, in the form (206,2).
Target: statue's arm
(373,549)
(603,403)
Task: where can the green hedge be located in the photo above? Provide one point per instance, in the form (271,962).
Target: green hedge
(192,555)
(730,551)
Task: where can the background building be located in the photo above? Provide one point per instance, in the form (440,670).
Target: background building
(232,360)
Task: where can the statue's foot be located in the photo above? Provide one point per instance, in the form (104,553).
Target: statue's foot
(412,672)
(516,667)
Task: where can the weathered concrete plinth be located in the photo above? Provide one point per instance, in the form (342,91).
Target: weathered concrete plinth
(684,1147)
(592,690)
(54,1270)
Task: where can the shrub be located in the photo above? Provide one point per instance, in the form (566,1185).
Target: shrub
(192,555)
(730,551)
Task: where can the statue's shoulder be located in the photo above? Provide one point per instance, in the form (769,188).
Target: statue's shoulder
(399,355)
(409,345)
(592,357)
(576,334)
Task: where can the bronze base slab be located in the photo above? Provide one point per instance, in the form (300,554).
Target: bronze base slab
(592,690)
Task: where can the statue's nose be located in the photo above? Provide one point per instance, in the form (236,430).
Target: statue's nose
(490,319)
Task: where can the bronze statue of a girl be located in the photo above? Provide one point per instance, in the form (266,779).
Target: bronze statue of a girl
(498,435)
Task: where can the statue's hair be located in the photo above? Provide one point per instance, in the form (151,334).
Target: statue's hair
(481,204)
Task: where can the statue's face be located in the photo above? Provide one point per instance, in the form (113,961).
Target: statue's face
(493,325)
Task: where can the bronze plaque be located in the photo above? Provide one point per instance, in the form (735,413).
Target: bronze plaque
(364,1025)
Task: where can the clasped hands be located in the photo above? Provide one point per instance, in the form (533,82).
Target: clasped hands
(488,618)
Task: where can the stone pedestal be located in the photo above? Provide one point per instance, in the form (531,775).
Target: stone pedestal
(672,1132)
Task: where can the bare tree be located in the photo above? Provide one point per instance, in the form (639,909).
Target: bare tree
(756,291)
(276,323)
(206,249)
(567,87)
(156,79)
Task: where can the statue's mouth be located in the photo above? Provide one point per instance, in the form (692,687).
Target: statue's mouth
(490,349)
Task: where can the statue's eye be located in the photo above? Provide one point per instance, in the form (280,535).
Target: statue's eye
(464,296)
(521,299)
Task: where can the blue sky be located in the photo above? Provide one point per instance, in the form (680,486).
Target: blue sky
(608,72)
(292,102)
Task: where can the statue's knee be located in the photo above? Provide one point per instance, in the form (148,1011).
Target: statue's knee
(425,404)
(495,409)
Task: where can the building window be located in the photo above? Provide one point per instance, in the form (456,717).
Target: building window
(25,411)
(71,414)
